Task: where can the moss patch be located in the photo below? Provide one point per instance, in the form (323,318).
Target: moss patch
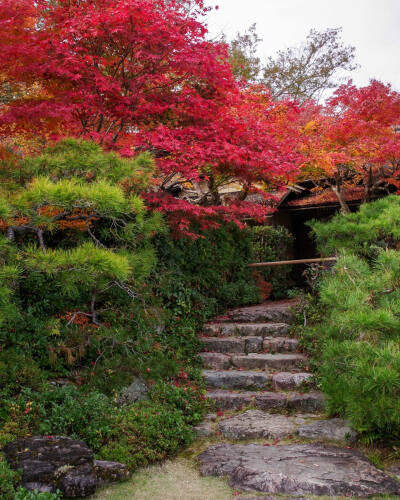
(174,480)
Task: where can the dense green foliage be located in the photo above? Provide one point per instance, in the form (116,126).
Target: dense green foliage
(22,494)
(8,481)
(94,291)
(374,227)
(356,334)
(270,243)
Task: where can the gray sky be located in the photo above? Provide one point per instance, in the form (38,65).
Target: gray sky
(372,26)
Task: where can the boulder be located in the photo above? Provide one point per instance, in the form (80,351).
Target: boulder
(297,470)
(110,472)
(80,481)
(137,391)
(50,463)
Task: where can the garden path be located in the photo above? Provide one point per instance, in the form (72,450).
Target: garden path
(269,433)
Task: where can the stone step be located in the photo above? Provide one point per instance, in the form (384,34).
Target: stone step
(277,312)
(281,381)
(235,379)
(280,344)
(257,424)
(226,344)
(311,402)
(249,345)
(298,469)
(286,381)
(270,362)
(246,329)
(229,400)
(215,360)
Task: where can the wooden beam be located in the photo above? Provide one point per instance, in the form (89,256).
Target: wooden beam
(292,262)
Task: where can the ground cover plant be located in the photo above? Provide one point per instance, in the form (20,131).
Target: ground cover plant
(355,332)
(94,290)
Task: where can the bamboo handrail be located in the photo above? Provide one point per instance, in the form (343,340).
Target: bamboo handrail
(292,262)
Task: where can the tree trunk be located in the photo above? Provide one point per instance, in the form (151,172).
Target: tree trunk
(344,208)
(368,186)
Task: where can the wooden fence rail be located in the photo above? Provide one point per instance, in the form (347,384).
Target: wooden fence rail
(292,262)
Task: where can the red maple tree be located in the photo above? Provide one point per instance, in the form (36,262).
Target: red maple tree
(353,141)
(140,75)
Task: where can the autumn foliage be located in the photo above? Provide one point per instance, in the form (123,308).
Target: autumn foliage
(353,142)
(140,75)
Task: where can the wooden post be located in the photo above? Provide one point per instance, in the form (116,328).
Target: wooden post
(292,262)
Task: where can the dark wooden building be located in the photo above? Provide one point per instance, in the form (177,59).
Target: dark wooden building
(300,204)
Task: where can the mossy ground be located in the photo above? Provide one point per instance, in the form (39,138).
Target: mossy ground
(173,480)
(180,479)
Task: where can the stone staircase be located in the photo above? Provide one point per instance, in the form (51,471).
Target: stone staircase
(269,432)
(251,360)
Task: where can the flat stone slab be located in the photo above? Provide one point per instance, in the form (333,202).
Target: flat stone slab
(269,361)
(245,329)
(334,429)
(394,469)
(226,400)
(297,470)
(280,344)
(271,401)
(235,379)
(286,381)
(224,344)
(309,402)
(253,344)
(272,498)
(215,360)
(277,311)
(255,424)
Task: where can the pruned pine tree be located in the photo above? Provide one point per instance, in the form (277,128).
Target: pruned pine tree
(81,223)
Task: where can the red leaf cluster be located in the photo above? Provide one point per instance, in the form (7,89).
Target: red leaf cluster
(140,75)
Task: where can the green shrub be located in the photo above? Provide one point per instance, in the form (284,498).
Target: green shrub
(207,275)
(356,333)
(151,430)
(374,227)
(23,494)
(65,411)
(8,481)
(18,370)
(271,243)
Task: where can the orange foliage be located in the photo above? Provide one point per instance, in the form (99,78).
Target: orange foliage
(328,196)
(77,318)
(77,220)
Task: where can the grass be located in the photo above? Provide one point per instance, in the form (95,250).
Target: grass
(173,480)
(180,480)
